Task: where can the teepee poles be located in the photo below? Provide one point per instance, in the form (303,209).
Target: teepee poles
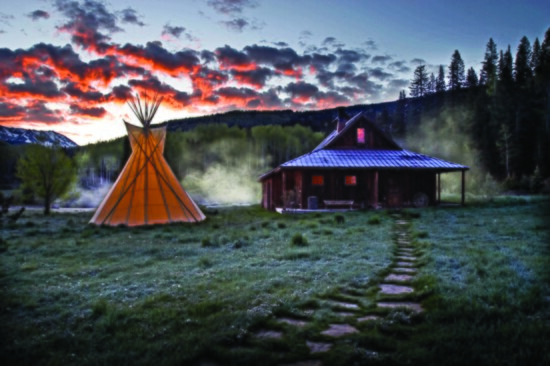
(147,111)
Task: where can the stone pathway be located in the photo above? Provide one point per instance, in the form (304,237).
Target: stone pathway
(392,294)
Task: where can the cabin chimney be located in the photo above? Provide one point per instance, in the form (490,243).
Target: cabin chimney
(341,119)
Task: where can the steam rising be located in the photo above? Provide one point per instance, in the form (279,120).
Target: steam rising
(445,137)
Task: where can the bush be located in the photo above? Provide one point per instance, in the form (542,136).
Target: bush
(281,225)
(206,242)
(298,240)
(374,220)
(339,219)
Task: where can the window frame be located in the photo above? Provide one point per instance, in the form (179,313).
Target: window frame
(322,180)
(353,179)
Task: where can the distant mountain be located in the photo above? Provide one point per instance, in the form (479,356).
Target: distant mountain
(21,136)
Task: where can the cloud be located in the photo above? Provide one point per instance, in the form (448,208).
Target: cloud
(95,112)
(130,16)
(231,6)
(6,18)
(418,61)
(399,66)
(256,78)
(169,32)
(236,25)
(370,45)
(38,14)
(381,59)
(379,73)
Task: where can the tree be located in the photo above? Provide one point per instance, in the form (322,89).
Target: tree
(419,83)
(47,171)
(440,81)
(522,68)
(489,69)
(431,84)
(456,72)
(471,78)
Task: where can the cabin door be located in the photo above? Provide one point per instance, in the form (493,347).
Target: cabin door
(393,191)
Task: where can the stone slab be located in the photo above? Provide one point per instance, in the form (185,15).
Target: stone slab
(344,313)
(416,307)
(269,334)
(368,318)
(345,305)
(318,347)
(404,264)
(339,330)
(296,322)
(405,258)
(405,270)
(395,289)
(398,277)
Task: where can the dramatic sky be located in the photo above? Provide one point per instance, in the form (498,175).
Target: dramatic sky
(70,65)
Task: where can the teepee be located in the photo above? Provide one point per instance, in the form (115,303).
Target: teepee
(146,192)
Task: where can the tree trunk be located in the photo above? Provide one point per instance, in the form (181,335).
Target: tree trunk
(47,204)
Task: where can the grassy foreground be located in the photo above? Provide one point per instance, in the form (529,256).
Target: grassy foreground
(178,294)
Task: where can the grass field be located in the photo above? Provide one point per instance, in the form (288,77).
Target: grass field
(178,294)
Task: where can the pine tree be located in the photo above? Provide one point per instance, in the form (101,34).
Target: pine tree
(489,70)
(440,81)
(419,83)
(522,67)
(471,78)
(456,72)
(431,84)
(535,55)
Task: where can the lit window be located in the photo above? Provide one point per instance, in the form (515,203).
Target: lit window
(351,180)
(360,135)
(317,180)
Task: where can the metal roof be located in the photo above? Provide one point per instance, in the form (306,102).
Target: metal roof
(370,159)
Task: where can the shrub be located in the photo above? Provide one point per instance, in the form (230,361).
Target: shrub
(281,225)
(206,242)
(99,308)
(374,220)
(339,219)
(299,240)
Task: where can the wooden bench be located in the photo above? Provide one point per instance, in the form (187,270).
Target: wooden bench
(334,203)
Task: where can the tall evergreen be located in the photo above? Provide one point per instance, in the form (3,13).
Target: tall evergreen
(440,81)
(471,78)
(419,83)
(431,84)
(489,69)
(456,72)
(522,68)
(535,55)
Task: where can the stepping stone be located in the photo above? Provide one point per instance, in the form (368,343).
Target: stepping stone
(296,322)
(343,313)
(398,277)
(410,305)
(318,347)
(368,318)
(339,330)
(402,222)
(345,305)
(305,363)
(404,264)
(405,258)
(406,270)
(395,289)
(269,334)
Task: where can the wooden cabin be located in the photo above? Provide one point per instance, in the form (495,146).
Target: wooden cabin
(356,166)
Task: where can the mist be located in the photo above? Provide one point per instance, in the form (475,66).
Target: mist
(446,137)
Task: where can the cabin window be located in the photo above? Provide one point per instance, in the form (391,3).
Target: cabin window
(351,180)
(317,180)
(360,135)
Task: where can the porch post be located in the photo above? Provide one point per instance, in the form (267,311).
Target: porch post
(283,189)
(439,188)
(375,190)
(463,185)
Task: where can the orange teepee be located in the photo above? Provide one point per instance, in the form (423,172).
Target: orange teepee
(146,191)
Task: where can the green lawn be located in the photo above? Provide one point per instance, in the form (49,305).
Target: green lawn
(185,294)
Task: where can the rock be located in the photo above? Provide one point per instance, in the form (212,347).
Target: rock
(339,330)
(296,322)
(368,318)
(395,289)
(416,307)
(269,334)
(318,347)
(398,277)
